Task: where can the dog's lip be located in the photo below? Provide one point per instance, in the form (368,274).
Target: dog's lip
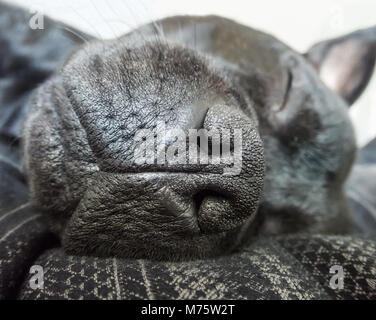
(167,171)
(182,192)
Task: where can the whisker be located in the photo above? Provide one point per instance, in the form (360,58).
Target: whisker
(103,18)
(138,20)
(194,34)
(130,27)
(74,33)
(88,22)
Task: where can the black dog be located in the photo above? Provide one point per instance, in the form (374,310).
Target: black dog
(194,72)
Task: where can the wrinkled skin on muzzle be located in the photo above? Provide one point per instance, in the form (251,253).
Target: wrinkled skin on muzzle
(297,143)
(177,211)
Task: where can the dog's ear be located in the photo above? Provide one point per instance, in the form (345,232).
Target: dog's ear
(346,64)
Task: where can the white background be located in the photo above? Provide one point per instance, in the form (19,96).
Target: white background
(296,22)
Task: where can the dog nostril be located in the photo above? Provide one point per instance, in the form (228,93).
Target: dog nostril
(199,197)
(207,206)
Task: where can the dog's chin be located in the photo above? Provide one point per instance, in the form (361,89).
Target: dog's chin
(183,247)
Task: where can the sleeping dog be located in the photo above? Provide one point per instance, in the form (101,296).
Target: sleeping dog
(194,73)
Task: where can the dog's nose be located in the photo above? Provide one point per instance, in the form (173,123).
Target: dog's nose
(217,178)
(173,210)
(204,198)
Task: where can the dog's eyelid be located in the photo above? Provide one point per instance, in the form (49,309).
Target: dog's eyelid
(289,82)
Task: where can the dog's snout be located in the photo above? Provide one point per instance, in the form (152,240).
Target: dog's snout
(193,199)
(156,204)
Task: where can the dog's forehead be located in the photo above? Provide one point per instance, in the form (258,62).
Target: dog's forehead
(224,43)
(153,78)
(219,37)
(120,62)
